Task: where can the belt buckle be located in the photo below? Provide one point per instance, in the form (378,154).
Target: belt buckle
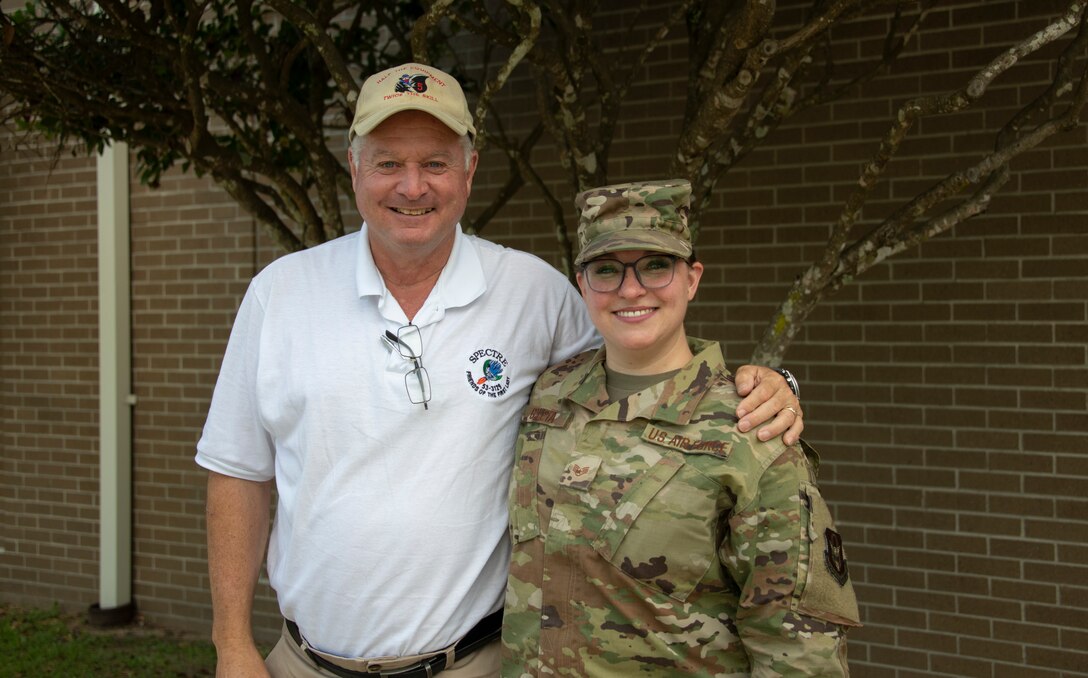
(426,665)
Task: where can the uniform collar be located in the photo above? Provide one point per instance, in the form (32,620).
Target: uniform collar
(673,400)
(462,281)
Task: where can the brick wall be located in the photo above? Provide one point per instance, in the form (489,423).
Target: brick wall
(193,252)
(947,389)
(48,363)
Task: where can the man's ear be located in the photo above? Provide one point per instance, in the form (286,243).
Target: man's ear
(471,171)
(352,167)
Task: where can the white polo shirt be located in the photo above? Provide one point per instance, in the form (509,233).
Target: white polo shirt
(390,532)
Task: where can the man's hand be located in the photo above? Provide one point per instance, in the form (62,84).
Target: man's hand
(243,662)
(768,398)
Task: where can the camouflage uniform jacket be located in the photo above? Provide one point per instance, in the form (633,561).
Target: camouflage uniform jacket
(666,542)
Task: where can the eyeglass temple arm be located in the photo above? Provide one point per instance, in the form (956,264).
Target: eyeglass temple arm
(393,341)
(422,387)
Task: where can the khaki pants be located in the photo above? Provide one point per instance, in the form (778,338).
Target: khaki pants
(288,660)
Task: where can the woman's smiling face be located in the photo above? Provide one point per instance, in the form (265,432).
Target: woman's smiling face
(643,328)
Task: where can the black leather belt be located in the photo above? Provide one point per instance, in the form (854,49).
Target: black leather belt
(486,630)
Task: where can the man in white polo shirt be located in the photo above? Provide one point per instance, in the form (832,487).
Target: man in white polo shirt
(378,381)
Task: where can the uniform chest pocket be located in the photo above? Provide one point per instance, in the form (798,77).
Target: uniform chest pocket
(524,524)
(524,520)
(662,529)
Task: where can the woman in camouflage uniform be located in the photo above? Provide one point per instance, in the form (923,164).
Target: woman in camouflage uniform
(650,536)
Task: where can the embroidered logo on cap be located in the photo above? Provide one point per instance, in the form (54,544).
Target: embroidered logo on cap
(414,83)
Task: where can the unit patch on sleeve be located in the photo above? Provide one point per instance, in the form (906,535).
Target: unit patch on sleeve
(835,557)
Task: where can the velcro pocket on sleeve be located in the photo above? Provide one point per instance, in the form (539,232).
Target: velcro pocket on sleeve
(828,593)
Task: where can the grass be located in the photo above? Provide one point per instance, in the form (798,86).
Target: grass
(35,642)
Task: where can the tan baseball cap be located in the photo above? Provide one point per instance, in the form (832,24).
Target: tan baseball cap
(411,87)
(648,215)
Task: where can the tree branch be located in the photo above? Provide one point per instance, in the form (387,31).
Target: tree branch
(839,264)
(318,35)
(531,16)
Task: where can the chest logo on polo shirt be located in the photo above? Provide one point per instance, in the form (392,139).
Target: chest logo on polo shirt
(488,373)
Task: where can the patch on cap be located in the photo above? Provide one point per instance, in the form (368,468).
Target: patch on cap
(649,215)
(411,87)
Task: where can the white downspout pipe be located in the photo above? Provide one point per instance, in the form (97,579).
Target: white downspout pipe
(115,605)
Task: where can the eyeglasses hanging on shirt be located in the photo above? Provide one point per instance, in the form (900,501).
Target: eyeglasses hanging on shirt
(409,343)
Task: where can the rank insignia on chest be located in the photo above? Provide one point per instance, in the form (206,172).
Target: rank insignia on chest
(580,473)
(686,442)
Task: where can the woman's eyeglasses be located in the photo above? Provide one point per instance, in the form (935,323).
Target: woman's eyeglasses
(652,271)
(409,343)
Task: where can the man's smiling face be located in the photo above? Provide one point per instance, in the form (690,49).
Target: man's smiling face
(411,185)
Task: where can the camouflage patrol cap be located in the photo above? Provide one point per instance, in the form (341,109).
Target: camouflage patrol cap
(649,215)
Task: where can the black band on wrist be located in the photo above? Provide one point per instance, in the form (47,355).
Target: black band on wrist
(791,381)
